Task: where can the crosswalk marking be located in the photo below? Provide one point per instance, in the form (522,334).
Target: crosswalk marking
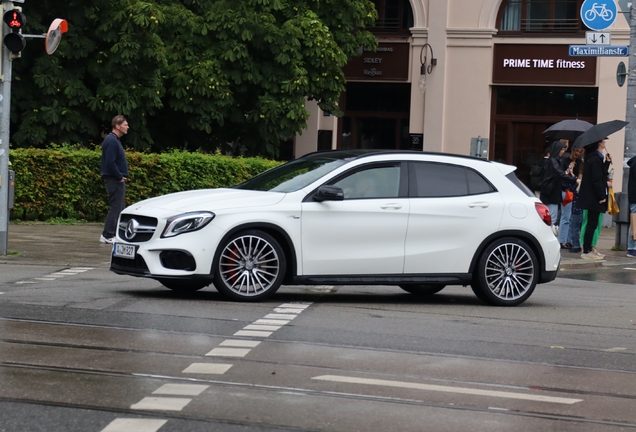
(161,404)
(181,389)
(207,368)
(134,425)
(229,352)
(238,343)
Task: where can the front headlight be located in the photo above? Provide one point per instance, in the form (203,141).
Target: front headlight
(187,222)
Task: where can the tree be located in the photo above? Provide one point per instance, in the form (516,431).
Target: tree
(186,73)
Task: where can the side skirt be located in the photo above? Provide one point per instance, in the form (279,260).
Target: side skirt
(442,279)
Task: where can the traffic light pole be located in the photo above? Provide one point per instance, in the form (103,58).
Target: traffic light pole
(4,145)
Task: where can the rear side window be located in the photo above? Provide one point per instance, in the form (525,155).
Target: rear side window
(513,178)
(429,180)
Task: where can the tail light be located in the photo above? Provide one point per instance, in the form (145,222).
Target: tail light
(544,213)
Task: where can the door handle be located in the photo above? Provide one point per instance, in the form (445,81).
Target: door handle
(391,206)
(481,204)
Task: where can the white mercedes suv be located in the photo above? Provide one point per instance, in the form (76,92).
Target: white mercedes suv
(420,221)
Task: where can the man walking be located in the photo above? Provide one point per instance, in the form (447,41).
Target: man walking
(115,173)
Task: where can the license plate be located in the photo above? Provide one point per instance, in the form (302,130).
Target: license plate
(124,251)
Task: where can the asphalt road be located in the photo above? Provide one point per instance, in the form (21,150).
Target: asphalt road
(83,349)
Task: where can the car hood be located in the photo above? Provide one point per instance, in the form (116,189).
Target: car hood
(208,199)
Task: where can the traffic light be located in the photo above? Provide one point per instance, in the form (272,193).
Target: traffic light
(16,20)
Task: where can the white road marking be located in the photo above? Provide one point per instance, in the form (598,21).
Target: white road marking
(447,389)
(58,274)
(270,322)
(280,316)
(261,327)
(26,282)
(161,404)
(238,343)
(253,333)
(207,368)
(83,269)
(229,352)
(134,425)
(46,279)
(629,268)
(181,389)
(294,305)
(615,349)
(288,310)
(1,293)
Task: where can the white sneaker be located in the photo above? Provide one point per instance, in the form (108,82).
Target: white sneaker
(595,252)
(103,239)
(591,256)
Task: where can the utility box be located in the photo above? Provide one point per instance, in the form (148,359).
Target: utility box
(479,147)
(11,188)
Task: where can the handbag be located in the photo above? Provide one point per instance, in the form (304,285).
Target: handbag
(568,198)
(612,205)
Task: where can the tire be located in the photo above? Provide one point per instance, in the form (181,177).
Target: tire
(423,289)
(507,273)
(249,266)
(184,286)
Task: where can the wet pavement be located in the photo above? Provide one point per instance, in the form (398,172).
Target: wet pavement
(78,245)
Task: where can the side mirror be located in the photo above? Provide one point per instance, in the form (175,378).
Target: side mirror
(329,193)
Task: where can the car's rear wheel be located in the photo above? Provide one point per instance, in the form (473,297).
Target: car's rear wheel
(423,289)
(507,273)
(249,266)
(184,285)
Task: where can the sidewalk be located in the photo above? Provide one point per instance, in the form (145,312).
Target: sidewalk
(58,245)
(78,245)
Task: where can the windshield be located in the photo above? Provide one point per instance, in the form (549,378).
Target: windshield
(294,175)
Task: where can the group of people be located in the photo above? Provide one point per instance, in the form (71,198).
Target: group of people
(575,187)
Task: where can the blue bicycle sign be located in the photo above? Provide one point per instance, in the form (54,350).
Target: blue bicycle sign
(598,15)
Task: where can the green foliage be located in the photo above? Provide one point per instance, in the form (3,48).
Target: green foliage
(187,74)
(64,183)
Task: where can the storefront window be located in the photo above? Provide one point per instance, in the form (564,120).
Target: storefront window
(540,16)
(571,102)
(394,16)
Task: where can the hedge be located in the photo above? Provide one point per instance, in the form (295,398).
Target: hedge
(65,182)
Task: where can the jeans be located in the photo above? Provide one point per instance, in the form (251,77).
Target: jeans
(574,236)
(116,203)
(631,244)
(564,224)
(554,212)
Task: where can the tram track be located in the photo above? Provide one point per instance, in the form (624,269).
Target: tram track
(277,389)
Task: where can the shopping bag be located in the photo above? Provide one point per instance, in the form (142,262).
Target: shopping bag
(632,224)
(567,199)
(612,205)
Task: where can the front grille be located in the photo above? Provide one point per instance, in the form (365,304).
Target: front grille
(177,260)
(136,266)
(146,227)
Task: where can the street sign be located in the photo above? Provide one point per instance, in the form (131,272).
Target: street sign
(598,38)
(598,51)
(598,15)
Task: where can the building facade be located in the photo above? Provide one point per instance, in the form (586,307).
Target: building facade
(494,73)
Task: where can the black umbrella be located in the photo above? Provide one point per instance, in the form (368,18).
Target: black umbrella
(599,132)
(567,129)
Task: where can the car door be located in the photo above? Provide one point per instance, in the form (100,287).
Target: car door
(453,209)
(364,233)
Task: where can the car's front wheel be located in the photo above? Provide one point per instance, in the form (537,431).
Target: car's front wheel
(183,285)
(507,273)
(249,266)
(423,289)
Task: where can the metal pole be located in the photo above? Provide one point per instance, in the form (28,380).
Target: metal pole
(630,129)
(4,143)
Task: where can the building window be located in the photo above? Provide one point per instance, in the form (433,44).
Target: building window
(394,17)
(540,17)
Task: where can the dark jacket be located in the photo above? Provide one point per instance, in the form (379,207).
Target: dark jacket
(594,183)
(113,158)
(631,182)
(554,177)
